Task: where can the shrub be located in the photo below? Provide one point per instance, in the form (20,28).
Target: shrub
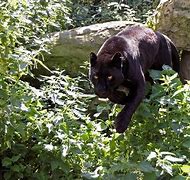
(97,11)
(51,133)
(62,132)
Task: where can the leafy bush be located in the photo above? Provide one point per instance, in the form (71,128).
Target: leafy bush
(92,11)
(24,27)
(51,133)
(86,14)
(62,132)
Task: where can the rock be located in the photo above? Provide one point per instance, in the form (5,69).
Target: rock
(185,65)
(71,48)
(172,18)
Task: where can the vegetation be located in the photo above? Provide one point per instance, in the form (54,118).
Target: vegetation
(61,130)
(85,12)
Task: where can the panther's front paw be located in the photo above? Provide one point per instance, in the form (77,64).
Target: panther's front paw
(118,97)
(121,123)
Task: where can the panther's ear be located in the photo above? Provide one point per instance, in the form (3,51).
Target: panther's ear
(117,60)
(93,59)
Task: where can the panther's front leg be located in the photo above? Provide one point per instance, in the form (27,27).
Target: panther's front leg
(132,101)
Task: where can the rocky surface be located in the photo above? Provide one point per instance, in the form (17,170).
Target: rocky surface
(71,48)
(185,65)
(173,18)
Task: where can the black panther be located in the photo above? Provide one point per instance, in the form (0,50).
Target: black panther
(123,62)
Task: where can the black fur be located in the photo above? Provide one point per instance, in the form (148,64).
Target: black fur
(124,61)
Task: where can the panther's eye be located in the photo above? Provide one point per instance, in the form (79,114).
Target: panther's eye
(95,77)
(110,77)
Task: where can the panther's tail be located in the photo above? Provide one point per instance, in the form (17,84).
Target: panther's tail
(176,62)
(175,58)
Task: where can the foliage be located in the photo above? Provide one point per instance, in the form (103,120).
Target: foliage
(62,132)
(23,39)
(24,27)
(49,133)
(88,12)
(85,14)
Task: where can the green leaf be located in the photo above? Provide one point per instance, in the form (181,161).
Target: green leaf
(23,107)
(65,150)
(54,165)
(15,168)
(152,155)
(85,136)
(166,153)
(146,167)
(155,74)
(49,147)
(112,145)
(21,128)
(187,144)
(6,162)
(167,168)
(90,175)
(129,176)
(123,166)
(185,168)
(15,158)
(179,177)
(149,176)
(177,92)
(7,175)
(173,159)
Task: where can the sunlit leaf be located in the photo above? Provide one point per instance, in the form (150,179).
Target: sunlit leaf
(173,159)
(152,155)
(185,169)
(64,150)
(49,147)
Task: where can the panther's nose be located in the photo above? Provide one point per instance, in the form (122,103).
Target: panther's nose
(103,94)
